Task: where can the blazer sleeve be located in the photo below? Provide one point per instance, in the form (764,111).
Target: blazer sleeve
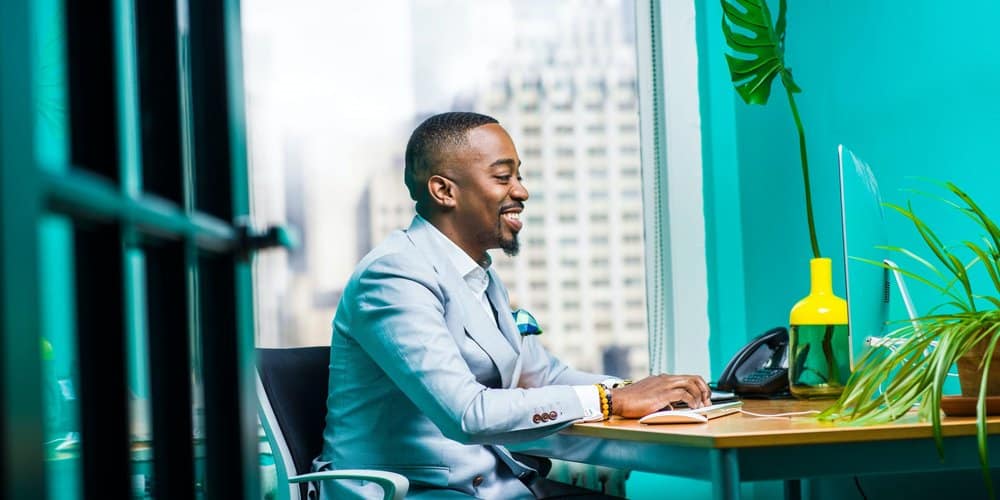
(540,368)
(397,316)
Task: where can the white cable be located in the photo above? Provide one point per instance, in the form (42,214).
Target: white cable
(779,415)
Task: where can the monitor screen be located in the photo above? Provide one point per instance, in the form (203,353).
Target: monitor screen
(864,230)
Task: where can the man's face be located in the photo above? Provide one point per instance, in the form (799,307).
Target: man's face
(489,195)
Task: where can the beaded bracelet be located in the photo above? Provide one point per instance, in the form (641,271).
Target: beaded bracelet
(602,393)
(611,406)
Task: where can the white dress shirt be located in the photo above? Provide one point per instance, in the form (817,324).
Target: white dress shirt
(478,279)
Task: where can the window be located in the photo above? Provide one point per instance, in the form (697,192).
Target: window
(564,152)
(599,173)
(123,316)
(556,130)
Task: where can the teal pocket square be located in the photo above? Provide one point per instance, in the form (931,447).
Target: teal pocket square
(526,323)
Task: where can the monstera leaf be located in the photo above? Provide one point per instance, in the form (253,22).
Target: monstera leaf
(759,54)
(758,57)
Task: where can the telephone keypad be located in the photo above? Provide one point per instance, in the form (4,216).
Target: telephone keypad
(762,375)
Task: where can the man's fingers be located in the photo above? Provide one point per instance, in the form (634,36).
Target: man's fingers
(687,397)
(695,387)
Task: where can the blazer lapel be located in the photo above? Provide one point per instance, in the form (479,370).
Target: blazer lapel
(504,315)
(478,324)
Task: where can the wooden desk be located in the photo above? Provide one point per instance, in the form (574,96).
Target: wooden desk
(740,447)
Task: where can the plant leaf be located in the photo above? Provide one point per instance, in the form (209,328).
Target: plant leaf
(913,256)
(987,263)
(983,219)
(757,58)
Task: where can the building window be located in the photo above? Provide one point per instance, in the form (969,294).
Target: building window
(570,284)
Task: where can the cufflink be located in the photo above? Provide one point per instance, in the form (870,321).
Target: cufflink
(526,323)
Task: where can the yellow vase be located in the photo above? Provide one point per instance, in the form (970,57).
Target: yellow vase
(819,358)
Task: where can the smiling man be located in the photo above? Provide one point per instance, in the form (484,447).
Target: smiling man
(429,376)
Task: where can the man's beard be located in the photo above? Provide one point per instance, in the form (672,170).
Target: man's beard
(510,246)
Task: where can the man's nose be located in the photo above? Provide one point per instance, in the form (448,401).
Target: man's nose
(519,192)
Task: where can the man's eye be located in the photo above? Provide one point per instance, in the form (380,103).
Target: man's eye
(504,178)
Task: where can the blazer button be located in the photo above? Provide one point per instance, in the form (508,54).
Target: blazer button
(545,417)
(537,419)
(553,415)
(477,481)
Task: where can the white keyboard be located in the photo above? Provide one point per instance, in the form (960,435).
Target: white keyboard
(692,416)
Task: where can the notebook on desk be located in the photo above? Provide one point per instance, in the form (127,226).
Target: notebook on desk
(692,415)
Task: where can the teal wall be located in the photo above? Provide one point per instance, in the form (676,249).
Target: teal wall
(911,87)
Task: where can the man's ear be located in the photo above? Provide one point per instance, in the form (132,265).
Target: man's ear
(442,192)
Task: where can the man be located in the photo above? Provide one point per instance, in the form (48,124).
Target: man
(429,376)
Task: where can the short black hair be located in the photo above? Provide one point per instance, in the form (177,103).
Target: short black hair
(427,143)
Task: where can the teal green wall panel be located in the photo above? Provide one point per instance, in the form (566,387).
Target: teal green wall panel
(724,239)
(647,486)
(911,89)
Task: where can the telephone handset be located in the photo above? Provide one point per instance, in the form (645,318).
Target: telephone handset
(760,368)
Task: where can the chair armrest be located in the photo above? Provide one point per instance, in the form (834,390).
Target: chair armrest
(393,485)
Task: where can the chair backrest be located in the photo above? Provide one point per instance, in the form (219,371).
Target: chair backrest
(292,391)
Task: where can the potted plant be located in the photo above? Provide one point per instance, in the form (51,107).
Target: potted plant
(819,357)
(963,329)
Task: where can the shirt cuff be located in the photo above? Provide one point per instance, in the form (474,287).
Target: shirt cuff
(590,400)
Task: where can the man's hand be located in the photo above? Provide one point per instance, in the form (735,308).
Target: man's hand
(655,393)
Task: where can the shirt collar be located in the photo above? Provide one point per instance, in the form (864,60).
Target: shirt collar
(475,276)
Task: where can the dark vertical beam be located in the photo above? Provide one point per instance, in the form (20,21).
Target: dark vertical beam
(170,371)
(220,188)
(224,448)
(210,109)
(159,98)
(91,78)
(21,433)
(103,395)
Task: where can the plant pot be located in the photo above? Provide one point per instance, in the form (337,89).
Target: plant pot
(970,374)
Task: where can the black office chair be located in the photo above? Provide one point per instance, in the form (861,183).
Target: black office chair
(292,391)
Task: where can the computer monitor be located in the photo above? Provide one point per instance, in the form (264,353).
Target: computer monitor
(864,231)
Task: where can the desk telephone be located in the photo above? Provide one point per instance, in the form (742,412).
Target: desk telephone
(759,369)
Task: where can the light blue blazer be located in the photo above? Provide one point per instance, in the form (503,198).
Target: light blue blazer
(414,356)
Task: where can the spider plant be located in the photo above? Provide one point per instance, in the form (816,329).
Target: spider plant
(888,382)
